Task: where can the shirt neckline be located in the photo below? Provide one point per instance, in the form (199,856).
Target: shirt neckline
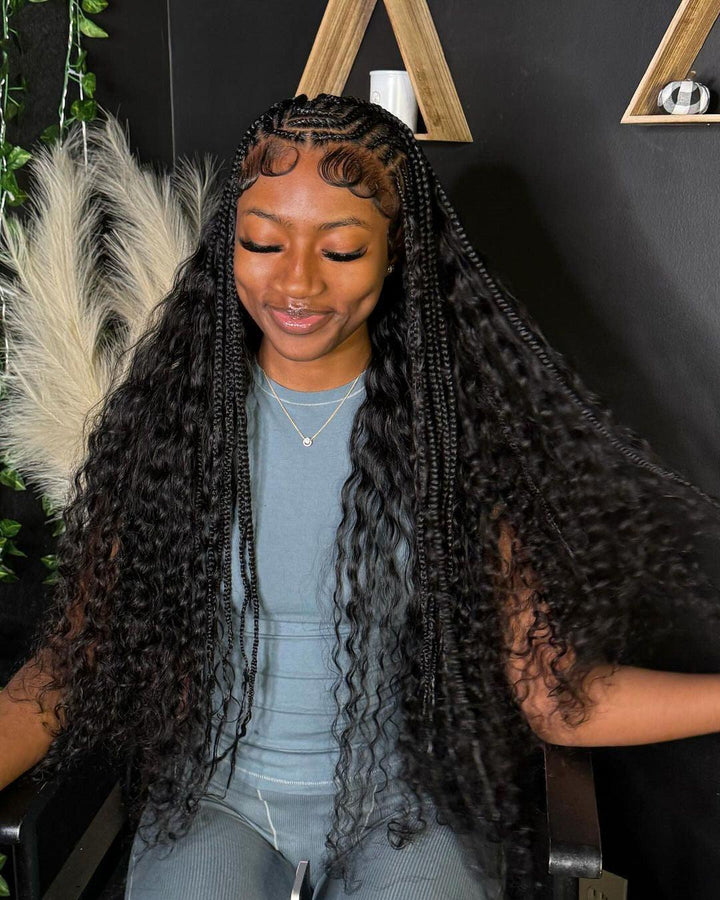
(329,395)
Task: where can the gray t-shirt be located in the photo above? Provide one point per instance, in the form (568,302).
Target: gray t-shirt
(296,510)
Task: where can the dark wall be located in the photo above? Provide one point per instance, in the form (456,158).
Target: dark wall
(606,232)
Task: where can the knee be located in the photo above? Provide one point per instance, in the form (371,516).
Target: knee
(220,857)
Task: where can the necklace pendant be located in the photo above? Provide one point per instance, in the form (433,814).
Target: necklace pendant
(307,441)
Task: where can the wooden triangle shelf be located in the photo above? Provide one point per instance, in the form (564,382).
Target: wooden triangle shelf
(673,60)
(337,43)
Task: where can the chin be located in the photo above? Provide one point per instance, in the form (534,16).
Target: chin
(299,349)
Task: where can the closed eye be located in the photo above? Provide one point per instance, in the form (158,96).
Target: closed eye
(274,248)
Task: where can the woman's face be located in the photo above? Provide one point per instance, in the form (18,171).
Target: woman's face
(310,260)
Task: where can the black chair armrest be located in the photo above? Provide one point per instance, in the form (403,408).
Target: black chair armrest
(573,827)
(55,834)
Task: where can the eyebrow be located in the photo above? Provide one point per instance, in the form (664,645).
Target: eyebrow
(324,226)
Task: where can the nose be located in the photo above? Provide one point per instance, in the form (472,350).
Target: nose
(299,276)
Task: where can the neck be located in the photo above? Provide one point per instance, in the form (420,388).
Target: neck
(321,374)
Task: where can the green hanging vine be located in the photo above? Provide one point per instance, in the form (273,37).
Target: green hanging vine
(83,109)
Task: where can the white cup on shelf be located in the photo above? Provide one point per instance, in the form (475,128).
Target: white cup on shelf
(392,89)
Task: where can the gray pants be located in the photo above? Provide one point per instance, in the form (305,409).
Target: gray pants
(247,846)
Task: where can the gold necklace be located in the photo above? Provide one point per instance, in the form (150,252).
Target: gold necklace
(306,439)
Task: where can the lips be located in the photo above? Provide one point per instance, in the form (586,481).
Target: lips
(303,322)
(300,313)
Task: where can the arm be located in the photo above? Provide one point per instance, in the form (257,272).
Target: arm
(629,705)
(25,734)
(26,729)
(644,706)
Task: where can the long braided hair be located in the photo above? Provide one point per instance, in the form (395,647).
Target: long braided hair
(468,413)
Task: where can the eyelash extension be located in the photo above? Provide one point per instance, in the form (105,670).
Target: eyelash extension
(273,248)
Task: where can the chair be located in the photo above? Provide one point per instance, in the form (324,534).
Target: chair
(62,838)
(574,847)
(58,836)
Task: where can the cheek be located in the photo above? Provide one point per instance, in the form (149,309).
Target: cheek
(355,309)
(250,277)
(354,282)
(240,267)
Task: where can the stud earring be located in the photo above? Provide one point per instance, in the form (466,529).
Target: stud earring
(390,268)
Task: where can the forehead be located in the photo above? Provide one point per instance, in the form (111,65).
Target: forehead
(302,197)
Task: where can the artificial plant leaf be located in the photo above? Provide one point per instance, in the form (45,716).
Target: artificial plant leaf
(48,506)
(8,181)
(14,107)
(84,110)
(18,157)
(7,576)
(12,550)
(16,39)
(50,134)
(89,28)
(17,197)
(88,83)
(9,527)
(12,479)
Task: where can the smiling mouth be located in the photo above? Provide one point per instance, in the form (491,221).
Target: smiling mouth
(302,322)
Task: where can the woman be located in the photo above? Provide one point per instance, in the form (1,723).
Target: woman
(350,539)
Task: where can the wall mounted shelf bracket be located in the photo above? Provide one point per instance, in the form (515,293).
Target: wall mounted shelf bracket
(337,43)
(673,59)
